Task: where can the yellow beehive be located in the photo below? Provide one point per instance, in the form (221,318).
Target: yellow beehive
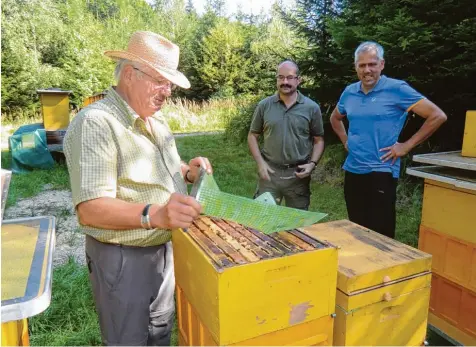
(237,286)
(92,99)
(54,108)
(448,232)
(449,210)
(383,287)
(469,138)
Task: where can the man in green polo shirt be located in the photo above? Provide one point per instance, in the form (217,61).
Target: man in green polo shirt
(292,130)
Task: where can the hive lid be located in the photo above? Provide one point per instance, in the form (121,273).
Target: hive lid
(53,91)
(229,244)
(450,159)
(366,258)
(27,253)
(459,178)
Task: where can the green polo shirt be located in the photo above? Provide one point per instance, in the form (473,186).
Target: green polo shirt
(288,132)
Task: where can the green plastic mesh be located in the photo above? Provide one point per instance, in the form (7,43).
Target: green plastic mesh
(261,214)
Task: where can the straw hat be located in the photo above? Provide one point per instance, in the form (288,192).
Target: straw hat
(156,52)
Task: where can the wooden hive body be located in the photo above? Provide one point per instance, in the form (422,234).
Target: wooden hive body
(237,286)
(383,287)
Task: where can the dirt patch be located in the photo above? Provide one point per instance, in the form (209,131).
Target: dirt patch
(58,203)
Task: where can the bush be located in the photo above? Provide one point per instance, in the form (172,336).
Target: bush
(329,170)
(239,125)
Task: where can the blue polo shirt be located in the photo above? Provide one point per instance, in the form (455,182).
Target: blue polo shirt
(375,122)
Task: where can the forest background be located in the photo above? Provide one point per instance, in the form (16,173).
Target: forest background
(231,59)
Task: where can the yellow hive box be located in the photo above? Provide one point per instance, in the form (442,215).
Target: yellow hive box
(237,286)
(469,138)
(449,210)
(54,108)
(383,287)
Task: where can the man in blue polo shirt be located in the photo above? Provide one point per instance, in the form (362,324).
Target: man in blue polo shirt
(376,108)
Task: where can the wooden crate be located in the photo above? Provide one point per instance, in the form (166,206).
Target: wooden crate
(456,306)
(237,286)
(383,287)
(453,258)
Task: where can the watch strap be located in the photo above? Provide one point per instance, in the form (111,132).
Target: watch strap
(145,218)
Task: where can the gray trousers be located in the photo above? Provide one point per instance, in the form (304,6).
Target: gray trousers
(133,289)
(284,184)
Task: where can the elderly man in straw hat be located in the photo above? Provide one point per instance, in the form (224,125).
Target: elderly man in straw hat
(129,189)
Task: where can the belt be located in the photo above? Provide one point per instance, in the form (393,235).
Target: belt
(288,166)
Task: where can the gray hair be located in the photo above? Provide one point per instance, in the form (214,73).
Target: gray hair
(368,46)
(120,65)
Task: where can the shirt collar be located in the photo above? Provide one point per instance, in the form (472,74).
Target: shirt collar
(299,99)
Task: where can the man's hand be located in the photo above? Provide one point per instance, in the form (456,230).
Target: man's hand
(264,170)
(195,164)
(179,212)
(346,145)
(394,152)
(305,170)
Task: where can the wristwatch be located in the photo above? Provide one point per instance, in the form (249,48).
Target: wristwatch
(145,218)
(313,161)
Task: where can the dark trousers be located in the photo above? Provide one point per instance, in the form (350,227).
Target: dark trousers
(133,289)
(370,200)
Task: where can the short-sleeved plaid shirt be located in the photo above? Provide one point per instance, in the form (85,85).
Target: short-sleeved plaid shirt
(110,153)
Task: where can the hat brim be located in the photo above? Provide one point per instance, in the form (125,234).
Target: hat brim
(174,76)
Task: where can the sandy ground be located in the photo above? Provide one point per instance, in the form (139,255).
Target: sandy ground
(69,240)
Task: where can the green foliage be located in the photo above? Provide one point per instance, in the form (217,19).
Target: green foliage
(185,115)
(229,63)
(239,125)
(320,60)
(429,43)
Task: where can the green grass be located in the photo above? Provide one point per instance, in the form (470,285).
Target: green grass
(71,318)
(190,116)
(31,183)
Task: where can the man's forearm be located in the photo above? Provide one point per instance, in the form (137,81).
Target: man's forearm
(111,213)
(430,125)
(254,148)
(317,148)
(339,129)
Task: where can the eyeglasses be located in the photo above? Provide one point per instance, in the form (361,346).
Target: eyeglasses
(162,83)
(289,78)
